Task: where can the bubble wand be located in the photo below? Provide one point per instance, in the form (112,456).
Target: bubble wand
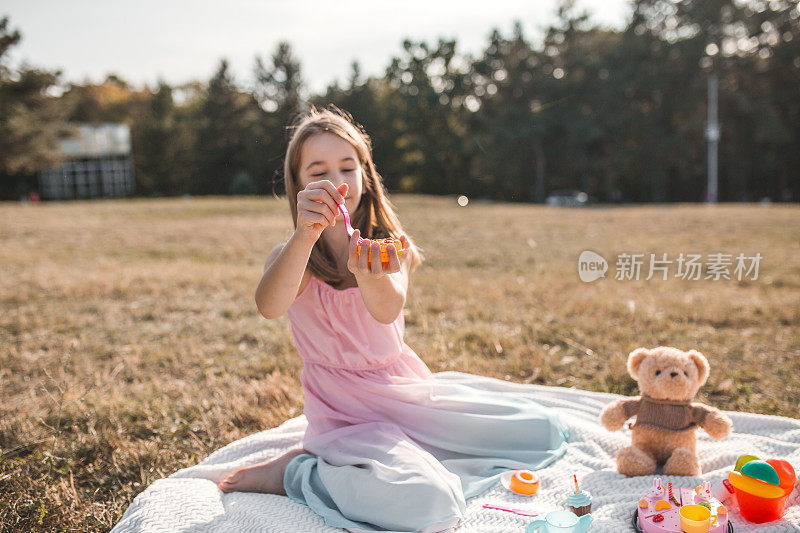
(346,216)
(521,512)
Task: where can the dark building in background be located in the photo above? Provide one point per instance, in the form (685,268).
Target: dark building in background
(97,164)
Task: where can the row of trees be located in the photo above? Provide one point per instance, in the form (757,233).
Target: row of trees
(618,114)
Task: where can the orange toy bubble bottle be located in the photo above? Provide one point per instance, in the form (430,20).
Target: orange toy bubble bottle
(398,244)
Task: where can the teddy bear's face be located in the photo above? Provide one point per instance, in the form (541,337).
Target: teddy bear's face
(666,373)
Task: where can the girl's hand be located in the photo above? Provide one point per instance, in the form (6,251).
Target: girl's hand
(357,264)
(318,207)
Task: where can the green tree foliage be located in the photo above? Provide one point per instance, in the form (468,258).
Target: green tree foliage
(429,117)
(226,134)
(371,103)
(508,98)
(279,90)
(163,146)
(31,120)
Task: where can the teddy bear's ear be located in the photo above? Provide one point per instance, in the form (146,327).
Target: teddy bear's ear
(635,360)
(703,368)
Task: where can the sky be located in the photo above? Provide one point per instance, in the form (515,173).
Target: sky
(184,40)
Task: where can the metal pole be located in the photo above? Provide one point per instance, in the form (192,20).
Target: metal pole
(712,136)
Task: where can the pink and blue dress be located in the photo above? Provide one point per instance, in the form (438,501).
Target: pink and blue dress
(394,447)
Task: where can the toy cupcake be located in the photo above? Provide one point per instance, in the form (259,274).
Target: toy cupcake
(579,501)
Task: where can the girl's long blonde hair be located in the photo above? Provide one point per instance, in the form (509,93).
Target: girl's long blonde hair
(374,216)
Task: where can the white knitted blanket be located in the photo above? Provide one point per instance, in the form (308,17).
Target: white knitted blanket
(189,500)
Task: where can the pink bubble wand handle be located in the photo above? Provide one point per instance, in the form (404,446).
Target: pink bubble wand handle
(520,512)
(346,217)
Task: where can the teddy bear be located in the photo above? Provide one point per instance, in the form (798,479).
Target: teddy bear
(666,417)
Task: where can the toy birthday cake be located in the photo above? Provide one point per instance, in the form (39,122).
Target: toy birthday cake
(659,509)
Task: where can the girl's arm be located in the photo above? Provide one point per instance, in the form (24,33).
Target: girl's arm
(317,206)
(283,273)
(383,289)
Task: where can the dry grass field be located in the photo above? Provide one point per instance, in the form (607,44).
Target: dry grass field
(130,344)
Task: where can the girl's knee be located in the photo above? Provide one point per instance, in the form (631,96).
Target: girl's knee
(421,497)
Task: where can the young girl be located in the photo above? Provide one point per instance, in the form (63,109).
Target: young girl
(389,445)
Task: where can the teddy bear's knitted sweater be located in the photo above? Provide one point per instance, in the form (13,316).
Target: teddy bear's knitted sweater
(666,415)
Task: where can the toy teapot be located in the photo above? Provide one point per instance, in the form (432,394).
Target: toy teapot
(560,522)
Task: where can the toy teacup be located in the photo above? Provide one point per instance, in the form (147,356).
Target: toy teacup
(696,519)
(560,522)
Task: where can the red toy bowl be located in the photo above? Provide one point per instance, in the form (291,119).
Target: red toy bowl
(759,510)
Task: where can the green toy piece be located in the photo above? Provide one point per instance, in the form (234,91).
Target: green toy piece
(742,460)
(761,470)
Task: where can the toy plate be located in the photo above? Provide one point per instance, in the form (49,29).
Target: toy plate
(639,530)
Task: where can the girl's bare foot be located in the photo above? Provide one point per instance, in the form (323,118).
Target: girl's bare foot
(264,477)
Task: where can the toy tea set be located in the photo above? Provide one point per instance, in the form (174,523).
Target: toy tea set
(664,431)
(575,520)
(666,420)
(671,509)
(760,489)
